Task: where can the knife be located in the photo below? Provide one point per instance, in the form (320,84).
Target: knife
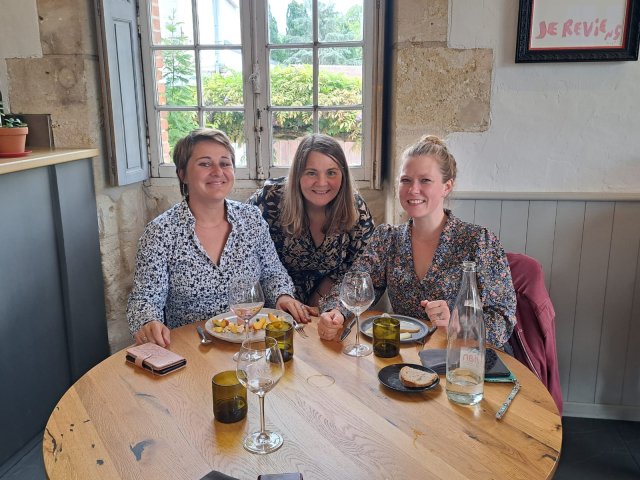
(347,329)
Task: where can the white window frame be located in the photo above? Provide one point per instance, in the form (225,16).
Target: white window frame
(256,94)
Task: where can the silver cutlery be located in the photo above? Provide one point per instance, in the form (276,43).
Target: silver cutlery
(203,338)
(300,329)
(423,340)
(347,329)
(507,402)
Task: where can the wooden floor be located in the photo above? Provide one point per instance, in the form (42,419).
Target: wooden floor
(591,449)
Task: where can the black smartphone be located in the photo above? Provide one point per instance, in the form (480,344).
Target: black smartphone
(494,367)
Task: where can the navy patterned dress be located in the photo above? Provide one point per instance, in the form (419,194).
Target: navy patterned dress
(307,264)
(389,260)
(176,281)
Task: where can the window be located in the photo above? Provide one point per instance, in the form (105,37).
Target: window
(267,72)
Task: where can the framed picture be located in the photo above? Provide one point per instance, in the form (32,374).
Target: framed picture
(578,30)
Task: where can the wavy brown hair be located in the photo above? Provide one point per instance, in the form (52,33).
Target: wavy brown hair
(184,149)
(340,212)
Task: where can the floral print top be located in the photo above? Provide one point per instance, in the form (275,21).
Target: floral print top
(176,281)
(389,260)
(307,264)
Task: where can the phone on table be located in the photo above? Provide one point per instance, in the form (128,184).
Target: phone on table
(494,367)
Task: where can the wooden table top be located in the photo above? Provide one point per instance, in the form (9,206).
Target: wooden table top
(337,420)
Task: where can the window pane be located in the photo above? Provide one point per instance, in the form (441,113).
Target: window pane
(346,127)
(231,123)
(175,77)
(287,129)
(292,79)
(289,22)
(340,83)
(174,126)
(340,21)
(219,22)
(171,22)
(221,72)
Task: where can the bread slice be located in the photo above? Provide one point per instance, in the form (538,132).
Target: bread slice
(412,377)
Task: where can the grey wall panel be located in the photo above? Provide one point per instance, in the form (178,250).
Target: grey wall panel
(513,225)
(488,213)
(567,247)
(631,387)
(81,272)
(592,283)
(463,209)
(618,303)
(33,348)
(541,227)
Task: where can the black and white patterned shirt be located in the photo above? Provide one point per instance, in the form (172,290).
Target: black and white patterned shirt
(176,281)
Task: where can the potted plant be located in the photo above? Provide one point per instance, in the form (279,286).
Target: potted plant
(13,133)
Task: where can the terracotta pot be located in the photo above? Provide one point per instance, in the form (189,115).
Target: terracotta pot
(12,140)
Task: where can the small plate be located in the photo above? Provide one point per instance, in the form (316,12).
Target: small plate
(389,376)
(239,337)
(16,154)
(408,321)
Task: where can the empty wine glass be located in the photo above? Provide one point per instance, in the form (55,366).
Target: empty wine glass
(245,300)
(259,368)
(357,294)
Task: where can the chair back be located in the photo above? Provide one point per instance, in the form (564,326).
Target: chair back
(534,336)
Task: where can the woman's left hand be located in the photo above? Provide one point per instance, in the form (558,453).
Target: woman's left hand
(294,307)
(437,311)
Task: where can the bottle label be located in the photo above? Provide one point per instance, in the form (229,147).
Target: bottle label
(471,359)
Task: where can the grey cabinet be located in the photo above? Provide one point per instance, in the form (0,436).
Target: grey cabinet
(52,317)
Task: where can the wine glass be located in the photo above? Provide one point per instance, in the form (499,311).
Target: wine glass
(259,368)
(245,300)
(357,294)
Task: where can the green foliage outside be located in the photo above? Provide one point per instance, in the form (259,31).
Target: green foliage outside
(291,80)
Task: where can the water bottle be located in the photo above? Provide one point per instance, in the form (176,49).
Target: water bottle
(466,342)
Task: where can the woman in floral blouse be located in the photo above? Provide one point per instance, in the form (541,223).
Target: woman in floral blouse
(188,255)
(419,262)
(316,220)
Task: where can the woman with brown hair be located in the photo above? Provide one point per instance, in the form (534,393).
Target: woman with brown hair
(317,221)
(188,255)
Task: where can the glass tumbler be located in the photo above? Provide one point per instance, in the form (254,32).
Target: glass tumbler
(229,397)
(386,337)
(282,332)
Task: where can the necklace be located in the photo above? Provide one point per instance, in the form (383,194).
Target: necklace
(199,225)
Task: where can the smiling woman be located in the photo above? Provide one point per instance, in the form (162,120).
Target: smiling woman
(316,220)
(419,263)
(188,256)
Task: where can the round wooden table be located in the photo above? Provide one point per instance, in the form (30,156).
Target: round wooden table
(338,421)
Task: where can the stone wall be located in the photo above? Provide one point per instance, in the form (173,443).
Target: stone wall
(436,89)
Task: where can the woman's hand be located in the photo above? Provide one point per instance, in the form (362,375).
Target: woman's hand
(330,324)
(297,309)
(437,311)
(154,332)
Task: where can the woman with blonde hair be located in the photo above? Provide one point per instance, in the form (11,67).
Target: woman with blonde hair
(317,221)
(188,255)
(419,263)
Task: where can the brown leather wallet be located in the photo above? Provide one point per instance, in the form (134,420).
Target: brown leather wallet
(154,358)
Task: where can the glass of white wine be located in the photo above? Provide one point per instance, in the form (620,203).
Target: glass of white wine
(245,301)
(357,294)
(259,368)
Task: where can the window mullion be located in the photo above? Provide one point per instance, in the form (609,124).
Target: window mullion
(316,63)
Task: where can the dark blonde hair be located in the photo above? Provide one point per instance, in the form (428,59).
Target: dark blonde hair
(341,211)
(432,146)
(184,149)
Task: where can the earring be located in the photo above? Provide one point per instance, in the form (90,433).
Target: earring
(184,190)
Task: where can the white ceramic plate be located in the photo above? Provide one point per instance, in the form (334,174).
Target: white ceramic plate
(239,337)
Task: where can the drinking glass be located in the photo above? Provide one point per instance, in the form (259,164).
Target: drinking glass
(245,300)
(357,294)
(259,368)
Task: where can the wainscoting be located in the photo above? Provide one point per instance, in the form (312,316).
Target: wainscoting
(589,248)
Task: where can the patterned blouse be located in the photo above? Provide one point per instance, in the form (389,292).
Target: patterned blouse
(176,281)
(389,260)
(307,264)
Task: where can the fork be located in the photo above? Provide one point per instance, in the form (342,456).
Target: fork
(300,329)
